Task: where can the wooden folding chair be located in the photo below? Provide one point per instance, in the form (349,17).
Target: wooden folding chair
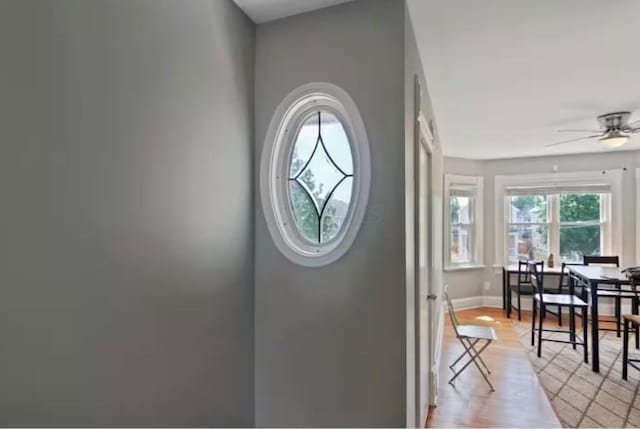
(469,336)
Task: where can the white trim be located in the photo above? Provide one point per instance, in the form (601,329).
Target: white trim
(464,267)
(276,154)
(467,303)
(491,301)
(477,224)
(425,133)
(423,232)
(610,177)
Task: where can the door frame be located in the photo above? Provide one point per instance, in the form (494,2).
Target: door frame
(423,140)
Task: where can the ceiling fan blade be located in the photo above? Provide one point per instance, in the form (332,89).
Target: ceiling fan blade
(579,131)
(574,140)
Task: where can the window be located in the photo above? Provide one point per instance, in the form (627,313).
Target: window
(463,226)
(527,227)
(315,174)
(582,225)
(320,177)
(567,225)
(566,214)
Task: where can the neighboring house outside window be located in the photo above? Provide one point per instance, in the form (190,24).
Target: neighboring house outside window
(463,227)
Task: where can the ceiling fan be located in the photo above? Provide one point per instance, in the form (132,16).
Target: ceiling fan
(614,131)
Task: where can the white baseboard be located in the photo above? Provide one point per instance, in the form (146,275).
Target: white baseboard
(477,302)
(605,309)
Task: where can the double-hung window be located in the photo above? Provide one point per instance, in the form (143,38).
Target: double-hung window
(566,221)
(527,226)
(463,221)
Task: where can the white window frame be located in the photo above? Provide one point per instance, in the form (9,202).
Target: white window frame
(477,224)
(508,224)
(554,224)
(274,172)
(611,212)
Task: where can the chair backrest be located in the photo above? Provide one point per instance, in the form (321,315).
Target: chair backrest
(524,275)
(452,313)
(601,260)
(537,276)
(564,273)
(633,274)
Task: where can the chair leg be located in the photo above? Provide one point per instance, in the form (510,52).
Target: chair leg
(625,349)
(482,373)
(472,346)
(559,316)
(540,318)
(519,305)
(463,354)
(533,322)
(618,316)
(634,310)
(585,334)
(572,327)
(474,354)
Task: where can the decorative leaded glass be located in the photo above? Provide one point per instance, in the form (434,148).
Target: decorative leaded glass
(320,177)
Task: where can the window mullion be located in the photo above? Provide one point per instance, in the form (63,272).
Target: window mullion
(554,226)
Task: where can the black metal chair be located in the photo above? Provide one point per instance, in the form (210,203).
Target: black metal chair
(522,287)
(572,302)
(631,320)
(563,286)
(615,292)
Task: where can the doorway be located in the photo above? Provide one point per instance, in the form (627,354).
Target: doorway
(424,297)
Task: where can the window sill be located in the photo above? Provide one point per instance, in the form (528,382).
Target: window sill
(464,267)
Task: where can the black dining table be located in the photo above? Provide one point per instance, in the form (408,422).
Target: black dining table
(590,277)
(512,269)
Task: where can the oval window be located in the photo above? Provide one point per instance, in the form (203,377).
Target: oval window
(315,174)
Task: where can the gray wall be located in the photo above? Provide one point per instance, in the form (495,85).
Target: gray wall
(330,342)
(126,213)
(467,284)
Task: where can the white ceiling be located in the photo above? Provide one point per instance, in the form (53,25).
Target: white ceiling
(505,75)
(268,10)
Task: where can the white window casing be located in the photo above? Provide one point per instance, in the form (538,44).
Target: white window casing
(607,183)
(274,173)
(470,231)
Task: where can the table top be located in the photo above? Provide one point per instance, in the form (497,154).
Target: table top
(600,274)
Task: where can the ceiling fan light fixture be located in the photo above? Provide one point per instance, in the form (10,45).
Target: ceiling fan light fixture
(614,139)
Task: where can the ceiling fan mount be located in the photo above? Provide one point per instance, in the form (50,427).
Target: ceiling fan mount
(614,131)
(614,121)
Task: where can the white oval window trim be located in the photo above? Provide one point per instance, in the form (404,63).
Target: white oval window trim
(274,173)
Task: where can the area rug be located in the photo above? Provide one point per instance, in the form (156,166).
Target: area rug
(580,397)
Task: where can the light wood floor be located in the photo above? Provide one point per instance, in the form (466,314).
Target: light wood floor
(518,401)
